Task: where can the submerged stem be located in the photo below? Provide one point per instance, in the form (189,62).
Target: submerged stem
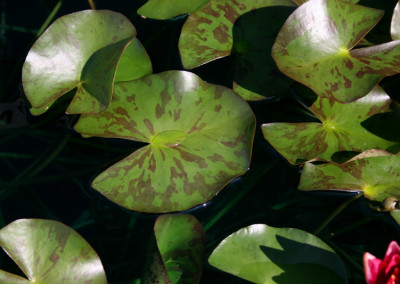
(336,212)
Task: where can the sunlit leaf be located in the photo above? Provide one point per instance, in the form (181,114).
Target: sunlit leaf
(80,50)
(180,240)
(49,252)
(229,27)
(375,174)
(395,25)
(315,47)
(340,129)
(166,9)
(267,255)
(200,138)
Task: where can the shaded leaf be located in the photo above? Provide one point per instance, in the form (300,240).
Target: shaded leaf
(200,138)
(377,175)
(315,47)
(181,242)
(166,9)
(49,252)
(264,254)
(340,129)
(222,28)
(80,50)
(395,25)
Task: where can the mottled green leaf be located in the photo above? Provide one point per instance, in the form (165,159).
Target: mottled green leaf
(395,25)
(200,137)
(268,255)
(229,27)
(299,2)
(181,243)
(134,63)
(166,9)
(340,129)
(377,175)
(49,252)
(80,50)
(315,47)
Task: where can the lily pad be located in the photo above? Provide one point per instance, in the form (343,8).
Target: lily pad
(340,129)
(222,28)
(180,240)
(49,252)
(376,175)
(166,9)
(395,25)
(80,50)
(267,255)
(315,47)
(200,137)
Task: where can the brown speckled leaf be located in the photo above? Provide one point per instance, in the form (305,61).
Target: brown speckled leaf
(80,50)
(49,252)
(222,28)
(340,129)
(316,47)
(200,138)
(377,175)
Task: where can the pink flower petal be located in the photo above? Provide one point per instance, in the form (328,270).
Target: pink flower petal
(371,267)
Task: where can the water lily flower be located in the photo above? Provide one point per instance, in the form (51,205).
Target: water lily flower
(386,271)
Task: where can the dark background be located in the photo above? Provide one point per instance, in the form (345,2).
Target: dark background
(46,167)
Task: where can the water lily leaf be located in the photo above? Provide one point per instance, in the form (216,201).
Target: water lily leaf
(299,2)
(134,63)
(396,215)
(315,47)
(80,50)
(200,138)
(181,242)
(376,176)
(267,255)
(165,9)
(395,25)
(340,129)
(49,252)
(224,27)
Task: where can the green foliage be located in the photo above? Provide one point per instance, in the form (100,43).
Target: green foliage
(316,47)
(340,129)
(375,173)
(49,252)
(263,254)
(165,9)
(81,51)
(179,250)
(198,136)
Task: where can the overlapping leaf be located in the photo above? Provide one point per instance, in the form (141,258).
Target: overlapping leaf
(375,173)
(180,241)
(395,25)
(340,129)
(267,255)
(166,9)
(315,47)
(224,27)
(200,137)
(49,252)
(80,50)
